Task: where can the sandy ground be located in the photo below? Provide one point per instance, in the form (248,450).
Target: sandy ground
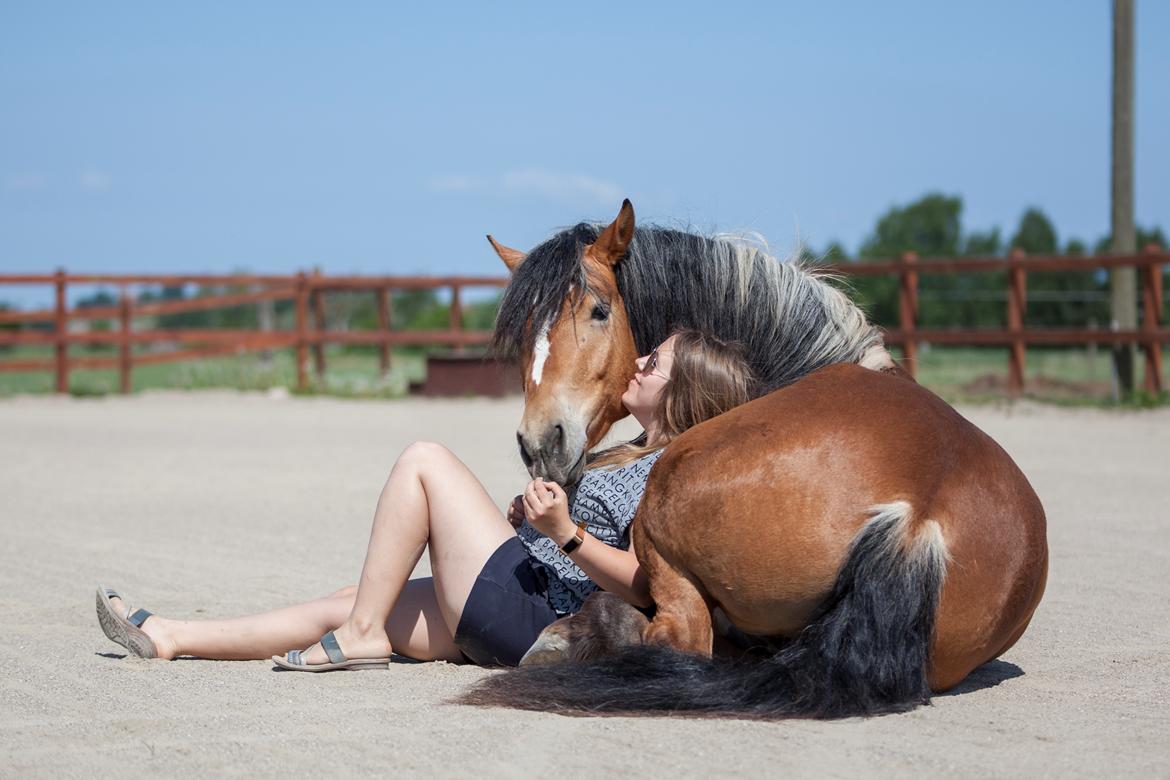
(218,504)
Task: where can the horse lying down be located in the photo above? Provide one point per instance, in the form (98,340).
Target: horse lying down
(863,544)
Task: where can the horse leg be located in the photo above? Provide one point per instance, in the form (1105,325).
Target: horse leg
(604,626)
(553,644)
(683,620)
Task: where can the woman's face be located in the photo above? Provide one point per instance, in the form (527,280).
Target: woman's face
(642,394)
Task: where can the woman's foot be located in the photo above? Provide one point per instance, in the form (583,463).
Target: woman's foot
(154,627)
(354,644)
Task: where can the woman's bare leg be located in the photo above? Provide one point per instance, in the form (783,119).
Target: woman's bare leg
(432,498)
(416,628)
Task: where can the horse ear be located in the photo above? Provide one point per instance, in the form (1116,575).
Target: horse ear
(511,257)
(613,242)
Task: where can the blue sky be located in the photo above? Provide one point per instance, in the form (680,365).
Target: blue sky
(382,138)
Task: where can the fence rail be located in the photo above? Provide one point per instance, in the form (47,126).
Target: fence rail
(1149,264)
(305,291)
(309,333)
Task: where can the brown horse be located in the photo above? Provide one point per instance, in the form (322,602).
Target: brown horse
(866,542)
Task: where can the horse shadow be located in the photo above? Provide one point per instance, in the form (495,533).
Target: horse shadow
(989,675)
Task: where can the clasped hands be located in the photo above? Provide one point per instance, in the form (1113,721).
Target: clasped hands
(546,507)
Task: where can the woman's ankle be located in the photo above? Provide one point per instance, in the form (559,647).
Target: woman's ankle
(364,627)
(161,632)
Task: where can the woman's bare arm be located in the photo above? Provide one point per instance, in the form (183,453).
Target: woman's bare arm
(614,570)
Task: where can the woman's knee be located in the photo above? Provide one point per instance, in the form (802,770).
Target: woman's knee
(424,453)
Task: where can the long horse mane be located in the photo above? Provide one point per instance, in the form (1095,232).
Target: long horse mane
(788,318)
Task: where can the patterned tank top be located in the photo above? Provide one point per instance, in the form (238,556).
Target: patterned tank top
(605,500)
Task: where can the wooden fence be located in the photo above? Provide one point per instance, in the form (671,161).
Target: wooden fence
(307,291)
(1149,336)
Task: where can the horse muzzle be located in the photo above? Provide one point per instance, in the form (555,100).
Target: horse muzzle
(556,454)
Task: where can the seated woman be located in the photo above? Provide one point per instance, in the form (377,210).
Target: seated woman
(496,581)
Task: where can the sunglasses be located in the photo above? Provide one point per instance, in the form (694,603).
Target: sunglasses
(651,364)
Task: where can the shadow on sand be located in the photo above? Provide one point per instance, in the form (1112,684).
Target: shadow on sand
(989,675)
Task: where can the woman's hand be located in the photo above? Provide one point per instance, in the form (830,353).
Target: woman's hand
(547,508)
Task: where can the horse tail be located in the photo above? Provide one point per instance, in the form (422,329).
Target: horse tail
(865,652)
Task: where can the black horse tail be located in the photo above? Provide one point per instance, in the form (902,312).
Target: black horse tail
(865,652)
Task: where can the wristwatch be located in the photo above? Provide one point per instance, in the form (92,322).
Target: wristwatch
(575,540)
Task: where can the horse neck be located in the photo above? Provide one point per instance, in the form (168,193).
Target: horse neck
(789,321)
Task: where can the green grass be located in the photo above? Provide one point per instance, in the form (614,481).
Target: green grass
(1065,376)
(1059,375)
(348,374)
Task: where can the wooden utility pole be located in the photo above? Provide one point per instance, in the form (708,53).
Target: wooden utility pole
(1123,281)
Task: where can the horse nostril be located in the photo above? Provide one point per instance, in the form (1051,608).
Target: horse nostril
(524,456)
(560,429)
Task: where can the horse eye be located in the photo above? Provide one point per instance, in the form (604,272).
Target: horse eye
(600,312)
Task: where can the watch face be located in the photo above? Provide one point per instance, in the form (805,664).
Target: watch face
(575,541)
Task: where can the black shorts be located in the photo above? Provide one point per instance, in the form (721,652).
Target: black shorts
(506,610)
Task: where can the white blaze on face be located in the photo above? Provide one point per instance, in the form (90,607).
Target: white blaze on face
(540,352)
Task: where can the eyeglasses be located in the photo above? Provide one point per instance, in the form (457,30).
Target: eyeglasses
(651,364)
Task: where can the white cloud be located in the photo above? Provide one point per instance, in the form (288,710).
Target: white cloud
(563,186)
(572,187)
(25,182)
(94,180)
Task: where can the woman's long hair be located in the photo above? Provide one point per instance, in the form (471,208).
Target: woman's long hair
(708,377)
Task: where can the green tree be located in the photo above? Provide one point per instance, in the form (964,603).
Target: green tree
(985,243)
(1035,234)
(1145,236)
(1055,298)
(834,253)
(418,310)
(7,326)
(481,315)
(930,226)
(100,299)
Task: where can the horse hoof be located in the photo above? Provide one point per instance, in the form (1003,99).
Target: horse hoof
(549,648)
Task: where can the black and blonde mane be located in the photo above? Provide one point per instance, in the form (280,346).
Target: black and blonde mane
(790,321)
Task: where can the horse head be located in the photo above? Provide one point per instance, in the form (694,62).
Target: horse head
(572,336)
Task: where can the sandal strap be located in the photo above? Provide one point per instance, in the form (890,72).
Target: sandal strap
(332,649)
(138,617)
(113,594)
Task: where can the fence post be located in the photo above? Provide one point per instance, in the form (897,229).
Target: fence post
(302,325)
(908,311)
(319,320)
(1017,302)
(1152,319)
(265,315)
(457,312)
(124,356)
(61,323)
(384,328)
